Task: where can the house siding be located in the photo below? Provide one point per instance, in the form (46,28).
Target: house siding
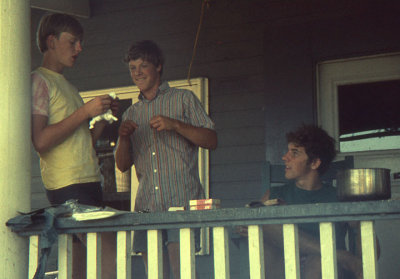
(259,57)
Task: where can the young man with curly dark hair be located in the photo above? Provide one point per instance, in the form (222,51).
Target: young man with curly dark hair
(310,153)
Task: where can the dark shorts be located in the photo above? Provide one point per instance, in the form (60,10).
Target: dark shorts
(168,236)
(86,193)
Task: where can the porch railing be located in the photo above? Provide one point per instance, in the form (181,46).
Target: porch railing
(220,220)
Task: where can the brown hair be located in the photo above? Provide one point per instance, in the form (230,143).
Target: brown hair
(55,24)
(317,144)
(148,51)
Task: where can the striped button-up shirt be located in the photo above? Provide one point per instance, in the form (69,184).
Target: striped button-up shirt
(166,163)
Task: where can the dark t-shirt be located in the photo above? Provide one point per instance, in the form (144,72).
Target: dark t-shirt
(292,194)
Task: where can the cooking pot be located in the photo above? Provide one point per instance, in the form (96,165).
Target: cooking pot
(363,184)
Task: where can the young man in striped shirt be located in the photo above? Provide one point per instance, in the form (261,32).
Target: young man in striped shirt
(161,134)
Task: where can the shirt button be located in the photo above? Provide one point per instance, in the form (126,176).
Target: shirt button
(155,170)
(153,153)
(156,187)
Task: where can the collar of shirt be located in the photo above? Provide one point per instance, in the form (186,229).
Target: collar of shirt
(162,89)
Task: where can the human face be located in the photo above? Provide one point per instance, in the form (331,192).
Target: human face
(296,162)
(146,76)
(66,49)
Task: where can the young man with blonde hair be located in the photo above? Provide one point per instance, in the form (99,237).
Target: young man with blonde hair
(60,127)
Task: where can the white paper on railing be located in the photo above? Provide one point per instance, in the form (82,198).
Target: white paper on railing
(101,213)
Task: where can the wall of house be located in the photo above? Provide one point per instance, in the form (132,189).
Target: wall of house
(294,45)
(260,59)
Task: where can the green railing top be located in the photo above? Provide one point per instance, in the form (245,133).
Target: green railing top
(227,217)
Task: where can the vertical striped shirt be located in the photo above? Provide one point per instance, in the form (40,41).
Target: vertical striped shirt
(166,163)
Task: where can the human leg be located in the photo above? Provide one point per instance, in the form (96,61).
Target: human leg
(85,193)
(173,259)
(311,267)
(274,261)
(108,255)
(78,259)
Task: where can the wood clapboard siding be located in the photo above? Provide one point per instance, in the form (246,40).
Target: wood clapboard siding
(259,57)
(229,53)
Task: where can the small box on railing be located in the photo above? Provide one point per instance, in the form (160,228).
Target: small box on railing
(204,204)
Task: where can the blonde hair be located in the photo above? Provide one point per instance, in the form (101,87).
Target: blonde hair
(55,24)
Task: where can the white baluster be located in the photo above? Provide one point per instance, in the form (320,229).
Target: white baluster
(368,246)
(65,256)
(256,252)
(155,254)
(221,253)
(291,249)
(93,256)
(328,250)
(33,255)
(124,268)
(187,254)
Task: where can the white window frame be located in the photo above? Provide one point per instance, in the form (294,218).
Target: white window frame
(374,68)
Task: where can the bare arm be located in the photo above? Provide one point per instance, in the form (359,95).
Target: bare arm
(203,137)
(46,136)
(266,195)
(123,157)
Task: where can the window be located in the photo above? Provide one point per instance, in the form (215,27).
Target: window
(369,116)
(358,105)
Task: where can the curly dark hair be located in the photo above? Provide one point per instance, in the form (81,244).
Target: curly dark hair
(317,144)
(146,50)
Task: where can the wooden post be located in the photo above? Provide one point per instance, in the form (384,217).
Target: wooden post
(328,250)
(187,253)
(221,253)
(256,252)
(154,254)
(291,249)
(124,265)
(15,123)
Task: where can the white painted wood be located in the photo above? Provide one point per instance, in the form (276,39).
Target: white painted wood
(15,146)
(93,256)
(80,8)
(328,250)
(124,266)
(256,252)
(291,249)
(155,254)
(187,253)
(65,256)
(330,75)
(33,255)
(368,246)
(221,253)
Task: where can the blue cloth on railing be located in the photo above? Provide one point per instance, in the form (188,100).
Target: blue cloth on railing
(48,234)
(47,217)
(46,241)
